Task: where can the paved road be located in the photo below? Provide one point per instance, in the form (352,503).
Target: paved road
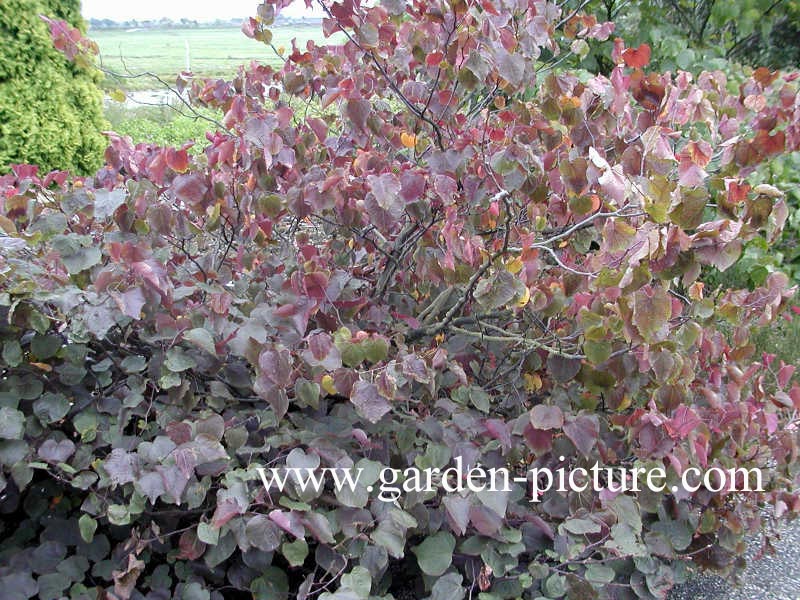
(769,578)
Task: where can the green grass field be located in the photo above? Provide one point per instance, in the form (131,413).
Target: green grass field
(212,52)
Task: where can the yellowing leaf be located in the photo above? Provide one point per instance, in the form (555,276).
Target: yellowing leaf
(408,140)
(515,266)
(696,291)
(533,383)
(624,403)
(7,225)
(327,384)
(524,299)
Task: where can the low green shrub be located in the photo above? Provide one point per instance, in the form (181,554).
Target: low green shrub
(161,125)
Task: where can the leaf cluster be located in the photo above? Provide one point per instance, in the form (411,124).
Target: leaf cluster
(464,256)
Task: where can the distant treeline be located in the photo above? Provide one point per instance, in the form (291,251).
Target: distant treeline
(184,23)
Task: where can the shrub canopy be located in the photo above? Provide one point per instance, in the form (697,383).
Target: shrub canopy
(469,255)
(50,108)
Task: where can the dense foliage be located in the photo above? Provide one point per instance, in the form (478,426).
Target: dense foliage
(50,108)
(474,257)
(691,34)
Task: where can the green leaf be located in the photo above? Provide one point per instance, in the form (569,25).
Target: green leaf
(599,574)
(623,541)
(435,554)
(390,539)
(352,354)
(295,552)
(580,526)
(307,393)
(50,407)
(627,512)
(193,591)
(555,586)
(178,361)
(480,399)
(87,526)
(263,533)
(107,202)
(272,585)
(74,567)
(359,580)
(77,252)
(169,380)
(12,353)
(118,514)
(375,349)
(498,290)
(448,587)
(52,586)
(597,352)
(85,423)
(679,533)
(208,533)
(684,59)
(201,338)
(133,364)
(12,423)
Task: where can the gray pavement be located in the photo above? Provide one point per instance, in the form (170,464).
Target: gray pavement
(775,577)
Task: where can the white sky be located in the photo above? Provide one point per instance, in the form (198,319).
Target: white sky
(200,10)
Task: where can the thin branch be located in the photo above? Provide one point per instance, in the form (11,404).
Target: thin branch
(420,114)
(184,101)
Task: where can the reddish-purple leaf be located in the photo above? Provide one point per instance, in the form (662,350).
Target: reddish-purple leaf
(191,548)
(368,401)
(683,422)
(289,521)
(357,112)
(190,188)
(484,520)
(545,416)
(457,511)
(130,302)
(583,431)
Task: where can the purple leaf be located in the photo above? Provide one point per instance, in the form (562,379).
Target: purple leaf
(131,302)
(120,466)
(289,521)
(368,401)
(457,512)
(544,416)
(583,431)
(56,452)
(486,521)
(190,188)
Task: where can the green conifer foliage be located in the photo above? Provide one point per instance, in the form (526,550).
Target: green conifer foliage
(50,109)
